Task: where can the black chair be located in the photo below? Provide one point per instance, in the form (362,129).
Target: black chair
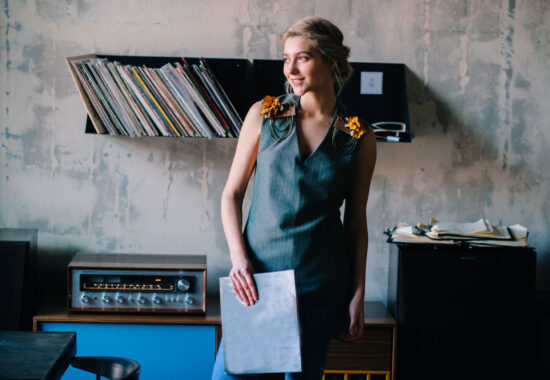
(109,367)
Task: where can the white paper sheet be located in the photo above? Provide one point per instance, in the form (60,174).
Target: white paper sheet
(264,337)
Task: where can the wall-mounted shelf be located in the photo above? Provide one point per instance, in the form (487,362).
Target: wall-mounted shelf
(122,101)
(376,92)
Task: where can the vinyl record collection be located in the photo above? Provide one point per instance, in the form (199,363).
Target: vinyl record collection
(179,100)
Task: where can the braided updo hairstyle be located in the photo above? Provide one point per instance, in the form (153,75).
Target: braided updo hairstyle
(328,40)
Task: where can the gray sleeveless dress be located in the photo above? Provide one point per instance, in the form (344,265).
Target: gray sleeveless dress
(294,220)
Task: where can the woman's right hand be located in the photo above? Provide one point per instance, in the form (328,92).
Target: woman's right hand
(242,282)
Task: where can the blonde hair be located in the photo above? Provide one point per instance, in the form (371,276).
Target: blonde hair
(328,40)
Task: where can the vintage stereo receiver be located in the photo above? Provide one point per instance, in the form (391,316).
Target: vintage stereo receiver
(137,283)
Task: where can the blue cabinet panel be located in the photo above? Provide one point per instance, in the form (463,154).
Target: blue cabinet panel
(168,352)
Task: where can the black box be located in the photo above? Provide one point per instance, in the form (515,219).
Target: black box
(17,278)
(463,313)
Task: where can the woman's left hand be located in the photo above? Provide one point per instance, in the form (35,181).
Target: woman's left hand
(357,319)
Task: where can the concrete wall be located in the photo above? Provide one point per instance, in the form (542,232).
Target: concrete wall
(478,99)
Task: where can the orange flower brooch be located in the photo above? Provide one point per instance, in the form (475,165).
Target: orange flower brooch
(356,128)
(352,126)
(273,107)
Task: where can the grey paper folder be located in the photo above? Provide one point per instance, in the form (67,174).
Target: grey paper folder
(264,337)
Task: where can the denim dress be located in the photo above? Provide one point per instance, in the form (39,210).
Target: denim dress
(294,220)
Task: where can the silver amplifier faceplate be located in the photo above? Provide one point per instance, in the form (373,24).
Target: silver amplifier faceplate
(137,290)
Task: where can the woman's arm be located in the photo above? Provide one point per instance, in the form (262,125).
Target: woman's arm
(243,164)
(355,229)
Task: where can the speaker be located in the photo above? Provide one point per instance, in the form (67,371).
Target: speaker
(463,312)
(17,278)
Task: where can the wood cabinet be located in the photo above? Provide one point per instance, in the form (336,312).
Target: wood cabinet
(166,346)
(185,346)
(371,355)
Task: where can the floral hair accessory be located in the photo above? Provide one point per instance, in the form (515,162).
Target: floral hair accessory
(272,106)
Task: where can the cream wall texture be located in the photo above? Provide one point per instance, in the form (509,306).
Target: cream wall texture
(478,99)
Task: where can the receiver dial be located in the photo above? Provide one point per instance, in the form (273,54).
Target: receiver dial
(183,284)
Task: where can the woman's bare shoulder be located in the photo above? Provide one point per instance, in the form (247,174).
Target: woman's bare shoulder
(253,121)
(256,109)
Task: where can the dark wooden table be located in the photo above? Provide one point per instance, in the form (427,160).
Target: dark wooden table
(35,355)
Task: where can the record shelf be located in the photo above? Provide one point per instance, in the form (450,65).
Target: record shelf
(233,74)
(376,92)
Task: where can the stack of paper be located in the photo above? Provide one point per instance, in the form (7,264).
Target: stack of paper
(405,233)
(480,233)
(480,229)
(518,238)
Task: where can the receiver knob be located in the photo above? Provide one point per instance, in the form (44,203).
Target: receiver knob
(189,300)
(183,284)
(85,298)
(105,299)
(119,299)
(141,299)
(156,299)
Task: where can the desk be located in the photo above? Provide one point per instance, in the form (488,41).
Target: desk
(35,355)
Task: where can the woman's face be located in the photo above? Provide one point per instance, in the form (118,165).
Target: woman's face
(304,67)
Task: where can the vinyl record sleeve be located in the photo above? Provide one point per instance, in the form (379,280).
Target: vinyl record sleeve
(264,337)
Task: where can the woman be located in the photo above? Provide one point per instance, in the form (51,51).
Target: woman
(309,156)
